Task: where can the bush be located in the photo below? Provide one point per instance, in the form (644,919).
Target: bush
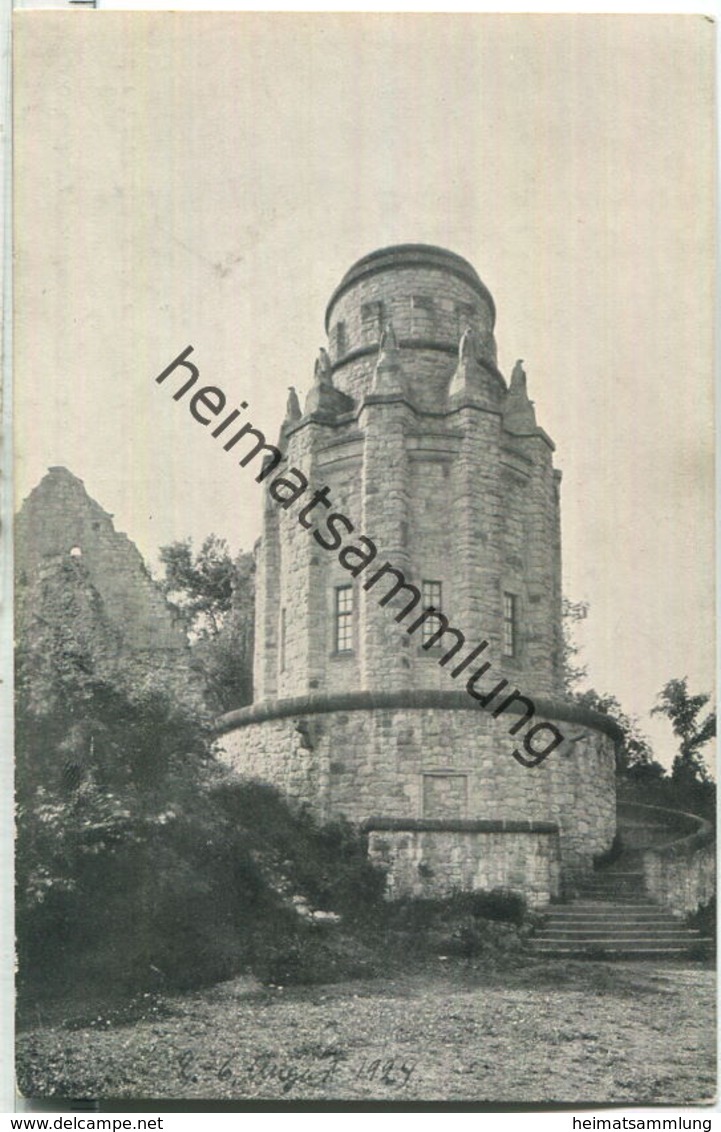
(192,899)
(498,904)
(611,854)
(704,921)
(304,956)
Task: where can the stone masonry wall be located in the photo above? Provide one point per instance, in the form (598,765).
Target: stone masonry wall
(75,574)
(59,519)
(440,485)
(435,863)
(452,305)
(429,762)
(454,504)
(682,876)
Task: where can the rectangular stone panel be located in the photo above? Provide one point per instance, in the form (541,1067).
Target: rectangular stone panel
(445,795)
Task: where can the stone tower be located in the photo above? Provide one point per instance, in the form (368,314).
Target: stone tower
(408,624)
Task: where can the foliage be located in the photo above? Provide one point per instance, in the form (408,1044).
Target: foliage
(573,673)
(200,586)
(614,851)
(688,797)
(684,712)
(215,596)
(326,863)
(487,925)
(634,756)
(418,914)
(141,866)
(704,920)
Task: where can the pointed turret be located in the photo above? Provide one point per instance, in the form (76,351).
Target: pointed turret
(323,371)
(519,416)
(323,396)
(292,409)
(468,380)
(388,376)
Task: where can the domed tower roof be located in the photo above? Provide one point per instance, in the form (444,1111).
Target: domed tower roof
(409,256)
(430,296)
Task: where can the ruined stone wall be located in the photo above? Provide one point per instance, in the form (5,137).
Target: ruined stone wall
(75,574)
(59,518)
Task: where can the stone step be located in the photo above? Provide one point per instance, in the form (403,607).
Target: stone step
(611,891)
(621,936)
(605,922)
(600,909)
(641,927)
(584,927)
(609,896)
(627,949)
(658,916)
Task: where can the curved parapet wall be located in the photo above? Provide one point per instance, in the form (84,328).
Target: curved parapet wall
(432,756)
(681,873)
(424,698)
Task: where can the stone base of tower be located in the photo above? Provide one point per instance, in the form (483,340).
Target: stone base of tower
(428,858)
(432,779)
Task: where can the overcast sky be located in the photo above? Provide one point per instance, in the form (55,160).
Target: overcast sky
(207,179)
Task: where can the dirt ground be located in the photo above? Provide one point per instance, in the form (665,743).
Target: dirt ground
(573,1033)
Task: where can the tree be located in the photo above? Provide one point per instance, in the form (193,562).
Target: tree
(111,771)
(684,713)
(572,613)
(634,756)
(215,596)
(199,586)
(227,658)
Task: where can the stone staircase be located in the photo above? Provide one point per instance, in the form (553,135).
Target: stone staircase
(612,917)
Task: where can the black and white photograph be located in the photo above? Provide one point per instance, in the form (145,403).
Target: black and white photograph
(363,560)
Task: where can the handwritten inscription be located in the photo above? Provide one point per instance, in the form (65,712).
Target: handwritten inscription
(288,1074)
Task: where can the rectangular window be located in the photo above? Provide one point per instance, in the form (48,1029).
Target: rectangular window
(371,322)
(510,624)
(465,316)
(344,619)
(432,598)
(340,342)
(422,311)
(372,312)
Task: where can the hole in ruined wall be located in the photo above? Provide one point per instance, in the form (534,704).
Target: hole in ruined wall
(426,871)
